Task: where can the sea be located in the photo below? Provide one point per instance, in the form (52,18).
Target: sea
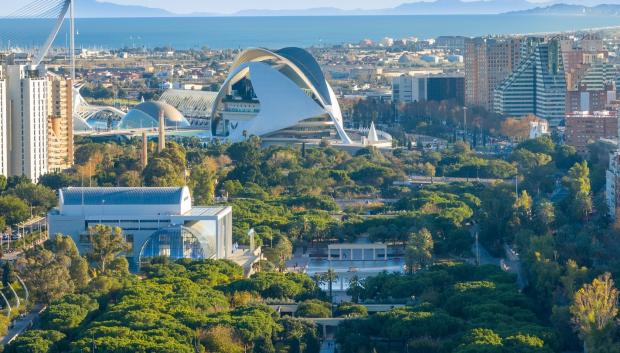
(277,32)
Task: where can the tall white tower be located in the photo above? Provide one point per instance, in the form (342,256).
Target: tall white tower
(27,99)
(4,144)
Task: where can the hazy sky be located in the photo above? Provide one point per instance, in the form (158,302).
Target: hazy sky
(228,6)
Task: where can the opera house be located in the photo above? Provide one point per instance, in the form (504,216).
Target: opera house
(279,95)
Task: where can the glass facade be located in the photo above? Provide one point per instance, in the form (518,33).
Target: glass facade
(194,240)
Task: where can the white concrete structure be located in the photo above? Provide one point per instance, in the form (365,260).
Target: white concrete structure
(4,143)
(27,99)
(539,128)
(407,88)
(357,251)
(279,94)
(155,222)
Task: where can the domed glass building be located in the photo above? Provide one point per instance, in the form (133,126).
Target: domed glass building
(146,115)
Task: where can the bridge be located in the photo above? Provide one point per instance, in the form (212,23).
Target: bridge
(372,308)
(419,180)
(290,309)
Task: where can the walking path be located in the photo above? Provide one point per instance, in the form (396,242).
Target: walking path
(21,324)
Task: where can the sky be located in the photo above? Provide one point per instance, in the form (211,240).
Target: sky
(230,6)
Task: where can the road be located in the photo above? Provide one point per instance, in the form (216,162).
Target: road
(511,263)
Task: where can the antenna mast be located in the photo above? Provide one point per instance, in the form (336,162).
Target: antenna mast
(72,40)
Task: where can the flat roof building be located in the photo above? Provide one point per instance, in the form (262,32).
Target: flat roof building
(584,128)
(155,221)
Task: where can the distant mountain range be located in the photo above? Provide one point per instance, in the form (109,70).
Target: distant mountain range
(102,9)
(573,10)
(94,8)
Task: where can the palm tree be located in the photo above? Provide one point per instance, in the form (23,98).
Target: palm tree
(330,277)
(355,288)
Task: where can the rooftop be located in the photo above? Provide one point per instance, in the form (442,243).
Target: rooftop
(205,211)
(121,196)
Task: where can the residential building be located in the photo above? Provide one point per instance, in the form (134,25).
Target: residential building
(60,124)
(536,87)
(584,128)
(612,185)
(488,61)
(155,222)
(4,143)
(596,88)
(27,98)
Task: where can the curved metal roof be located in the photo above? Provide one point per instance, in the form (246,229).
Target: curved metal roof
(121,196)
(308,65)
(298,59)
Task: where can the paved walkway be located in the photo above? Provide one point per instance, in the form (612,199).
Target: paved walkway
(328,346)
(21,324)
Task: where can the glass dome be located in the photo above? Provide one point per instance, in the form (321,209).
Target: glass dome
(178,242)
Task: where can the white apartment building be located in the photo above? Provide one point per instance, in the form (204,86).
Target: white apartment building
(4,144)
(27,107)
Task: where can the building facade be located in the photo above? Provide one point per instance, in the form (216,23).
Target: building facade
(407,89)
(537,86)
(280,95)
(488,61)
(60,124)
(584,128)
(612,186)
(155,222)
(4,143)
(27,99)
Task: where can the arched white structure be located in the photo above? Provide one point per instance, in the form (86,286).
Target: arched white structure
(276,93)
(83,111)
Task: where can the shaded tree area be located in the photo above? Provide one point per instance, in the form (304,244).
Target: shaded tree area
(458,308)
(180,306)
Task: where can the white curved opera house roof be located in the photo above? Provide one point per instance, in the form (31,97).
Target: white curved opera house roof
(280,94)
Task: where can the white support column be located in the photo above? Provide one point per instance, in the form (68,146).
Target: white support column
(351,254)
(339,254)
(374,253)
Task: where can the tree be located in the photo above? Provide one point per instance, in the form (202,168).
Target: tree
(106,244)
(313,308)
(419,250)
(55,180)
(46,274)
(8,274)
(13,209)
(202,181)
(220,339)
(355,288)
(330,277)
(578,183)
(3,183)
(40,197)
(594,310)
(36,341)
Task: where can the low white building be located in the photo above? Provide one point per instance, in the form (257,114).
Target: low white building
(155,222)
(539,128)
